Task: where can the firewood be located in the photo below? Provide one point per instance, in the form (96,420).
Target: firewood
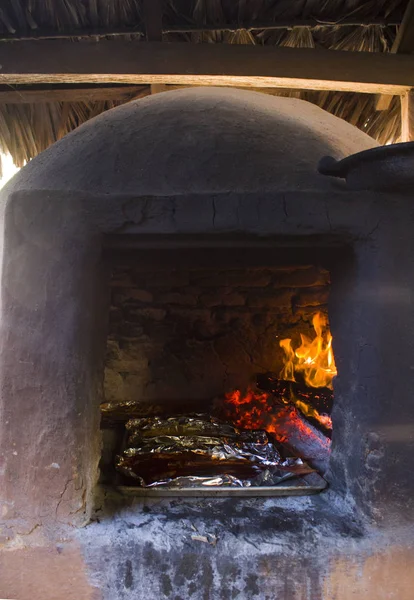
(319,398)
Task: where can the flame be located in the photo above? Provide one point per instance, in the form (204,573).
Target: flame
(314,359)
(308,410)
(280,415)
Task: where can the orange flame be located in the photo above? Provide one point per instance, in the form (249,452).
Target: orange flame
(313,358)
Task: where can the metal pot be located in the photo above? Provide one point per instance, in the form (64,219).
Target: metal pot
(387,168)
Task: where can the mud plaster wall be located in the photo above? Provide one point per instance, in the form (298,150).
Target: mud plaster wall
(195,333)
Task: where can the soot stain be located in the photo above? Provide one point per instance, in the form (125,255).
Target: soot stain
(129,576)
(166,585)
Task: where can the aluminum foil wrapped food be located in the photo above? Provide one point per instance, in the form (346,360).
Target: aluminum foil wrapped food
(199,450)
(197,424)
(114,412)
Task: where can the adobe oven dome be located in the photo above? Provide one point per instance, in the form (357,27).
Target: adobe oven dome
(201,140)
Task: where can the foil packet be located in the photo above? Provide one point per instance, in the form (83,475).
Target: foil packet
(119,412)
(136,439)
(160,467)
(216,448)
(200,450)
(197,424)
(270,477)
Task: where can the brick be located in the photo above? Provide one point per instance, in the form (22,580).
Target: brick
(134,294)
(151,313)
(166,279)
(239,278)
(313,297)
(112,350)
(302,278)
(176,298)
(115,315)
(222,297)
(270,299)
(212,298)
(234,299)
(131,330)
(121,278)
(306,313)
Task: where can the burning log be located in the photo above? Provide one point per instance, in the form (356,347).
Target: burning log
(261,410)
(315,404)
(320,398)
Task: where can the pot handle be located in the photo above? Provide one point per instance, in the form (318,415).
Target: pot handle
(330,166)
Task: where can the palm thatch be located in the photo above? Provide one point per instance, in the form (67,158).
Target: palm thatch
(355,25)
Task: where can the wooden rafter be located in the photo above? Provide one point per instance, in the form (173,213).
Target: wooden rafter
(153,20)
(407,117)
(24,96)
(63,62)
(153,30)
(403,44)
(310,23)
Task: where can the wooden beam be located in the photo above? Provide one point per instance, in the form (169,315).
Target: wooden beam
(153,30)
(404,41)
(157,88)
(23,96)
(138,30)
(153,20)
(407,117)
(403,44)
(133,62)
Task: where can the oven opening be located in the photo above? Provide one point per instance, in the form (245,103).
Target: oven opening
(218,377)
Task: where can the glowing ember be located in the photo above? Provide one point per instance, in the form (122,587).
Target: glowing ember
(313,359)
(257,410)
(252,415)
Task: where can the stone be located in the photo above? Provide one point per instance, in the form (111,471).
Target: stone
(222,297)
(313,297)
(234,299)
(176,298)
(270,299)
(302,278)
(132,294)
(150,313)
(227,278)
(163,279)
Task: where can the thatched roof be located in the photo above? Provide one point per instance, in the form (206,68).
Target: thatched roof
(356,25)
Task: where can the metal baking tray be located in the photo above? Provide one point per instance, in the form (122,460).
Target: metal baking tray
(300,486)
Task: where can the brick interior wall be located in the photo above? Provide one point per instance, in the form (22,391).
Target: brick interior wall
(193,334)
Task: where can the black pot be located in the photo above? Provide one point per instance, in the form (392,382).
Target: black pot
(387,168)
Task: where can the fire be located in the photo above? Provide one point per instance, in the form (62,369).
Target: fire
(314,359)
(251,416)
(257,410)
(282,411)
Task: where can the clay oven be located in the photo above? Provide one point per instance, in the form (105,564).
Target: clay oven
(160,253)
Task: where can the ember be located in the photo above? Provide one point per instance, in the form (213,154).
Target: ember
(258,410)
